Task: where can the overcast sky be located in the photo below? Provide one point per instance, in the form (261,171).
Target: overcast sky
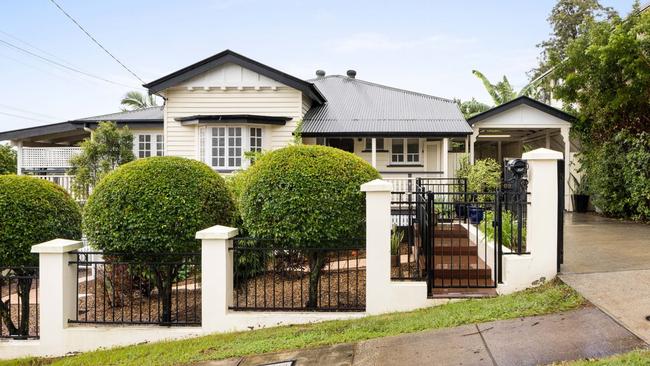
(425,46)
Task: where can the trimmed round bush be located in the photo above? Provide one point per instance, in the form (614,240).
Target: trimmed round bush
(33,211)
(306,195)
(155,206)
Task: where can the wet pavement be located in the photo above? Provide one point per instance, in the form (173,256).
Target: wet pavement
(608,262)
(583,333)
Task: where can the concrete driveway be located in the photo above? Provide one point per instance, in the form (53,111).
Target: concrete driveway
(608,262)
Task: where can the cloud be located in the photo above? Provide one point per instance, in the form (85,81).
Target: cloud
(381,42)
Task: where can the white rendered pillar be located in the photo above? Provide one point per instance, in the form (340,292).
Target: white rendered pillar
(216,275)
(57,290)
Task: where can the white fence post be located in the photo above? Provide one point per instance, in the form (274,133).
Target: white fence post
(382,294)
(57,289)
(216,275)
(541,230)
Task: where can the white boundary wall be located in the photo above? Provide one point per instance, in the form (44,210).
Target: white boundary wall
(58,279)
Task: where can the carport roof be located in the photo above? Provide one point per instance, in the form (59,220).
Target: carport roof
(519,101)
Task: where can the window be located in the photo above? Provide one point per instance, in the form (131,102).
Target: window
(149,145)
(379,144)
(227,145)
(401,155)
(256,139)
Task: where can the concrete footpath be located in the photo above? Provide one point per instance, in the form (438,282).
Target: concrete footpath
(583,333)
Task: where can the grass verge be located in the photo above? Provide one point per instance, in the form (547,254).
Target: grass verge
(634,358)
(549,298)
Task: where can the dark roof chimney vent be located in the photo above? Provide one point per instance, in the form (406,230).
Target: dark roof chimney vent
(352,74)
(320,73)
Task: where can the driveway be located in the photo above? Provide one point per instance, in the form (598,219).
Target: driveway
(608,262)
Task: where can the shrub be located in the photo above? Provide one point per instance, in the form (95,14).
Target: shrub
(32,211)
(484,176)
(155,206)
(7,160)
(307,196)
(618,172)
(508,229)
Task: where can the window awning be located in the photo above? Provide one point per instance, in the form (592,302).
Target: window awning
(232,118)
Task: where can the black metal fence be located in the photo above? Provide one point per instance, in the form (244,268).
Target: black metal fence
(406,235)
(164,289)
(271,275)
(514,213)
(19,309)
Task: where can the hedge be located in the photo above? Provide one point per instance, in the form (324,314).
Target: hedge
(33,211)
(156,205)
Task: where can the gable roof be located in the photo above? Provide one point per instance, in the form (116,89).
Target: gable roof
(147,117)
(227,56)
(359,108)
(519,101)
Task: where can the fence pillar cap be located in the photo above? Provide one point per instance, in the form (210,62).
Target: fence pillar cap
(377,185)
(542,154)
(57,246)
(217,232)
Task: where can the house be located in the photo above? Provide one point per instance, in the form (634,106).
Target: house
(217,109)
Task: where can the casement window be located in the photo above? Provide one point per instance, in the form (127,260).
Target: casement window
(405,151)
(149,144)
(379,145)
(228,144)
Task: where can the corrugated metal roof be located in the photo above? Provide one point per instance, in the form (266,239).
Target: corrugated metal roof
(151,114)
(359,107)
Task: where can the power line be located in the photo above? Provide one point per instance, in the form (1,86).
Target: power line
(96,42)
(62,65)
(26,111)
(22,117)
(36,48)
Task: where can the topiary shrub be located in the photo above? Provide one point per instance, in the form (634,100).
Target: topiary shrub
(306,196)
(32,211)
(155,206)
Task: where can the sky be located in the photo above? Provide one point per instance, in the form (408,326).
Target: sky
(425,46)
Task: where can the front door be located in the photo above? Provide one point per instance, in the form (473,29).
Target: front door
(432,157)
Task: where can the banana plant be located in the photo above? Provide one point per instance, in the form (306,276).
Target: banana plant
(503,91)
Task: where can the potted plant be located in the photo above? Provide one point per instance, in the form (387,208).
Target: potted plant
(580,195)
(484,176)
(396,237)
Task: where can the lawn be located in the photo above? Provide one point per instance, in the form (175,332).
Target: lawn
(548,298)
(634,358)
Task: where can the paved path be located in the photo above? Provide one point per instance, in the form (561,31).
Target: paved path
(608,262)
(587,332)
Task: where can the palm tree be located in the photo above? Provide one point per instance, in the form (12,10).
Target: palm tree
(503,91)
(135,100)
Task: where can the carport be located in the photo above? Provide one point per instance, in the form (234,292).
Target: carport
(523,124)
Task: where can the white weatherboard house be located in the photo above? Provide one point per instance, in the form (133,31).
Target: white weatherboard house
(218,108)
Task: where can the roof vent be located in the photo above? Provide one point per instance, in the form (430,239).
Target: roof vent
(320,73)
(352,74)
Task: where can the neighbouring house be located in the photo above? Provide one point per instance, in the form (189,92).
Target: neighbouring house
(218,108)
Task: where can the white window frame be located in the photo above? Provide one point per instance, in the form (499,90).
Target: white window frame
(380,145)
(407,157)
(154,140)
(245,145)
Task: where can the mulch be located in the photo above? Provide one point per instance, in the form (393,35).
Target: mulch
(15,317)
(343,289)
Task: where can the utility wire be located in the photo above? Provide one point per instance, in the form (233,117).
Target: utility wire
(96,42)
(22,117)
(8,44)
(36,48)
(26,111)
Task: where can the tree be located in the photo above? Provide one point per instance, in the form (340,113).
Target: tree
(567,19)
(147,212)
(108,147)
(7,160)
(134,100)
(308,197)
(606,77)
(32,211)
(502,91)
(471,107)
